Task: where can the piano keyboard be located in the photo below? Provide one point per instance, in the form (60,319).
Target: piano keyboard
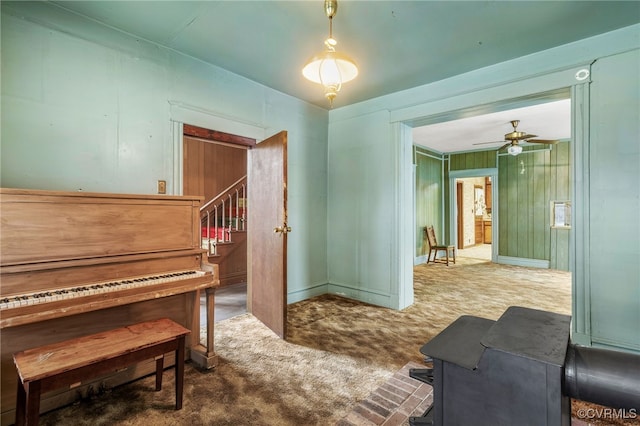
(96,288)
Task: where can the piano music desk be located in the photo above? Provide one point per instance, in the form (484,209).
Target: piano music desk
(69,362)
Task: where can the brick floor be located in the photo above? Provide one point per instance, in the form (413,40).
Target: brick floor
(398,399)
(392,403)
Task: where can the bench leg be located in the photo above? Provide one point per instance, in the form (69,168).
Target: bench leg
(28,403)
(21,403)
(159,370)
(179,372)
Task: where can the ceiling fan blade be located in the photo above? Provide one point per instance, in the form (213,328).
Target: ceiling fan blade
(545,141)
(504,146)
(527,136)
(487,143)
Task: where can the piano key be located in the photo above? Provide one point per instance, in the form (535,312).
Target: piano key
(95,288)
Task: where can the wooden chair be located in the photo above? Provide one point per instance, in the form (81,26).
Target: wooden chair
(435,248)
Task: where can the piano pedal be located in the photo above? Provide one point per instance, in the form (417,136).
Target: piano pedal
(428,359)
(425,375)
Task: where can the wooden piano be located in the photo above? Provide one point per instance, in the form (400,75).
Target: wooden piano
(74,263)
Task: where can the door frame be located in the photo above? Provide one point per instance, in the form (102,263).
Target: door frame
(460,218)
(181,113)
(270,306)
(453,210)
(508,94)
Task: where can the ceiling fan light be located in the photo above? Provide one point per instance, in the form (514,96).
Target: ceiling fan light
(514,150)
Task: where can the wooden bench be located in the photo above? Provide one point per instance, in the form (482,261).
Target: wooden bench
(69,362)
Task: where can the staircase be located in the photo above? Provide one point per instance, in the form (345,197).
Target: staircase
(223,224)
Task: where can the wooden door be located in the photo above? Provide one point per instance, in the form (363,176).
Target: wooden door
(267,249)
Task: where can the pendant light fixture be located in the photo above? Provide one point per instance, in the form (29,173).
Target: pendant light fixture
(330,68)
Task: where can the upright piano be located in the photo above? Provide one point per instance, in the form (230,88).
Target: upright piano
(74,263)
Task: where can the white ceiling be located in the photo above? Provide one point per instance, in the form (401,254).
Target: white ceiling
(551,120)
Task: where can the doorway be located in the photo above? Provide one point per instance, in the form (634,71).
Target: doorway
(522,231)
(212,161)
(474,217)
(238,239)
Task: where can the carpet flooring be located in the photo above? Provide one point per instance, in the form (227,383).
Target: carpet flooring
(390,338)
(337,352)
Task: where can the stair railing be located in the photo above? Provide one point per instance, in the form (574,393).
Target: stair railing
(216,227)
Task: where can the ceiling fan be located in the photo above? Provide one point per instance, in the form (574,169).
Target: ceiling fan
(513,139)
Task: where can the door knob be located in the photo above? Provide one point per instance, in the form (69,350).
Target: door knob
(282,229)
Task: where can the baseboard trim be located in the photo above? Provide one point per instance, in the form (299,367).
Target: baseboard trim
(344,290)
(378,299)
(580,338)
(601,342)
(307,293)
(522,261)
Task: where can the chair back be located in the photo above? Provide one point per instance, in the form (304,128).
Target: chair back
(431,236)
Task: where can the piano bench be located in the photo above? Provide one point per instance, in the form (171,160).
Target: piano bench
(69,362)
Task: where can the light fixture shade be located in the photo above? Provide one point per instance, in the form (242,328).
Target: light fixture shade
(514,150)
(330,68)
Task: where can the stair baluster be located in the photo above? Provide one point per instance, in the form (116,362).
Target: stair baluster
(223,219)
(232,216)
(244,206)
(214,250)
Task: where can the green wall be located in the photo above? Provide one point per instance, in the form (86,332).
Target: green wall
(361,231)
(429,196)
(606,253)
(607,307)
(473,160)
(527,184)
(87,108)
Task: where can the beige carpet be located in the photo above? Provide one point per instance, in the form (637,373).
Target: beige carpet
(337,352)
(260,380)
(390,338)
